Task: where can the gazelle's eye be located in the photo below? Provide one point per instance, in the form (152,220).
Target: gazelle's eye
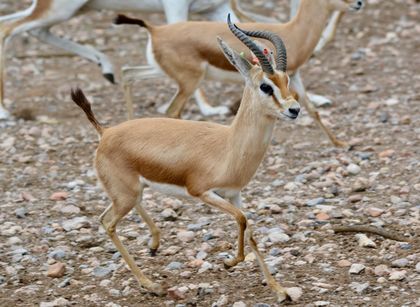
(266,89)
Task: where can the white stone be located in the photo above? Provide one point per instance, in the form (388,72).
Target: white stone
(364,241)
(356,268)
(397,275)
(353,169)
(186,236)
(294,293)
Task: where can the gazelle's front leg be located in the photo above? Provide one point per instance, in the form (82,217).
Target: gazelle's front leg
(129,74)
(297,85)
(218,202)
(271,282)
(89,53)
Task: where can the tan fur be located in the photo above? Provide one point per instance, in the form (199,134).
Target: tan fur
(199,157)
(186,58)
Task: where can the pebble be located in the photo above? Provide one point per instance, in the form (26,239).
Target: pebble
(353,169)
(355,198)
(57,254)
(375,212)
(381,270)
(61,301)
(76,223)
(169,214)
(359,287)
(356,268)
(418,267)
(175,294)
(400,263)
(386,153)
(21,212)
(397,275)
(322,216)
(59,196)
(102,271)
(174,266)
(364,241)
(344,263)
(186,236)
(360,185)
(56,270)
(315,201)
(321,303)
(278,236)
(221,302)
(294,293)
(239,304)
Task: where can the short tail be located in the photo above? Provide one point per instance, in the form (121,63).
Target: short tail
(80,99)
(123,19)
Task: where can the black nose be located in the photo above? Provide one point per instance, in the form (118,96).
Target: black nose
(294,111)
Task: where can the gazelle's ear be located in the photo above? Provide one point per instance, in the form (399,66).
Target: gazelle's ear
(240,63)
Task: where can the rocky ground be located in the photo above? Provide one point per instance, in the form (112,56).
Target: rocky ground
(54,252)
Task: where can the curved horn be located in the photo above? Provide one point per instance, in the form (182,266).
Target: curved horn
(265,64)
(281,54)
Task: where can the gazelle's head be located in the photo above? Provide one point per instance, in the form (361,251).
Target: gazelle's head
(268,79)
(345,5)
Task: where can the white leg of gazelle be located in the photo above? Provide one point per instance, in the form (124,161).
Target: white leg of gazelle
(327,35)
(319,101)
(134,73)
(86,52)
(329,32)
(205,108)
(297,85)
(176,10)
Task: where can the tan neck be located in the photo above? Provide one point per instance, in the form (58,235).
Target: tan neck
(250,135)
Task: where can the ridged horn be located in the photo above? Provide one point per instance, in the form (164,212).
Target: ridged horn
(264,62)
(281,54)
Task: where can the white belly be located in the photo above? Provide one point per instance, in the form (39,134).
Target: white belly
(181,192)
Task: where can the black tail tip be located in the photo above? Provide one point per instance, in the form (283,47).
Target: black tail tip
(120,19)
(78,96)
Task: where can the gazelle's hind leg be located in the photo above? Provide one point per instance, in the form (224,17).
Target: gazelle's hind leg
(122,186)
(188,79)
(154,230)
(205,108)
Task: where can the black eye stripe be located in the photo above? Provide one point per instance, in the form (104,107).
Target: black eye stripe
(267,89)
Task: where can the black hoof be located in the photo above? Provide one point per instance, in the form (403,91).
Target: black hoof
(110,78)
(153,252)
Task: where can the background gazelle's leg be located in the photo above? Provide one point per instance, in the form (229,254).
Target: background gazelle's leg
(205,108)
(318,100)
(134,73)
(297,85)
(86,52)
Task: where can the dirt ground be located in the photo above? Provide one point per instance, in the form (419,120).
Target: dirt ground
(371,71)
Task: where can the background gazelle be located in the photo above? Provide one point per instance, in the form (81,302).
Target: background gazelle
(191,57)
(202,160)
(43,14)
